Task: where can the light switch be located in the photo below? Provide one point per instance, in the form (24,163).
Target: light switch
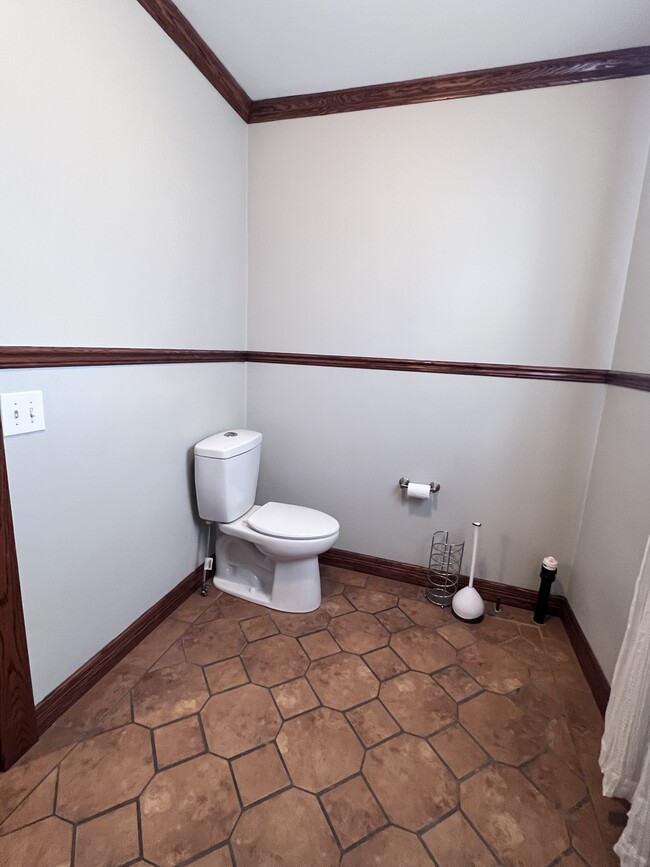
(22,412)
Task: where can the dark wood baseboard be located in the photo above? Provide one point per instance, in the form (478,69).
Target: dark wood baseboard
(491,591)
(591,667)
(73,688)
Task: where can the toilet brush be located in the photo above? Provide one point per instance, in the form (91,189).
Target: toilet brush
(467,604)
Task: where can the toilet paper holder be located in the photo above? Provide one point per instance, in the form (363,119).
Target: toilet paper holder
(404,483)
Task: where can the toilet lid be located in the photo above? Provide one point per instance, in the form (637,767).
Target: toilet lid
(292,522)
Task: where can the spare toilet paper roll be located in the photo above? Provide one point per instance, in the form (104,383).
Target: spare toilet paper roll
(418,492)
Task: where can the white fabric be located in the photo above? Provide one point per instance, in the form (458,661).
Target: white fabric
(625,753)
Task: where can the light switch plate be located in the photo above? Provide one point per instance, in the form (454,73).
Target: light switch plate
(22,412)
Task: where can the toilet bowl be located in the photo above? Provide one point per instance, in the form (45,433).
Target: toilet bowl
(267,553)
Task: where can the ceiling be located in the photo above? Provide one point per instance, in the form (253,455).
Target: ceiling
(282,47)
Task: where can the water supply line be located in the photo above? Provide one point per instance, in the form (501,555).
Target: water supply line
(207,562)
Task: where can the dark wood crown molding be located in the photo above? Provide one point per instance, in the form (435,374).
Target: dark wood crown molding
(179,29)
(600,66)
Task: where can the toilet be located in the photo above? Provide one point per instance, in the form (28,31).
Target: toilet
(267,554)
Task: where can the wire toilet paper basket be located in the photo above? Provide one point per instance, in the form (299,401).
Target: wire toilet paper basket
(445,560)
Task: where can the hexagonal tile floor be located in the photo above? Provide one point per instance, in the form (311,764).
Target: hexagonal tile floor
(373,732)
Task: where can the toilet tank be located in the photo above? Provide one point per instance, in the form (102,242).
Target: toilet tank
(226,467)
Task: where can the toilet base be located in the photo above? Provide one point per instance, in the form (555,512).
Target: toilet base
(243,571)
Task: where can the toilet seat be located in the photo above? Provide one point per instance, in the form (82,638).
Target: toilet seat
(284,521)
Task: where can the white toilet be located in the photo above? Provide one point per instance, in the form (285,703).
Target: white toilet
(266,554)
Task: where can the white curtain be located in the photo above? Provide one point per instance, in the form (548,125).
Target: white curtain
(625,753)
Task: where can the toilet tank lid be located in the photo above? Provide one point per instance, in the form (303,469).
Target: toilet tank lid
(228,444)
(292,522)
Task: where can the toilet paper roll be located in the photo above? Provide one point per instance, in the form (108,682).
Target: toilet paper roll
(418,492)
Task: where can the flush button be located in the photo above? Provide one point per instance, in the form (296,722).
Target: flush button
(230,433)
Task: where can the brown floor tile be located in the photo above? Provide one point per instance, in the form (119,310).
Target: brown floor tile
(560,742)
(178,741)
(410,781)
(531,632)
(345,576)
(240,719)
(119,715)
(581,712)
(319,749)
(458,750)
(418,704)
(103,772)
(560,651)
(585,836)
(258,627)
(232,608)
(156,643)
(32,768)
(527,653)
(330,588)
(457,683)
(501,728)
(401,588)
(187,809)
(294,697)
(538,704)
(458,636)
(196,604)
(353,811)
(513,817)
(563,788)
(174,656)
(423,613)
(218,858)
(422,649)
(509,612)
(342,680)
(370,601)
(494,630)
(392,847)
(385,663)
(301,624)
(570,675)
(109,840)
(319,644)
(225,675)
(48,843)
(38,805)
(168,694)
(454,843)
(394,619)
(213,641)
(571,860)
(288,830)
(372,723)
(259,774)
(493,667)
(85,716)
(274,660)
(337,605)
(358,632)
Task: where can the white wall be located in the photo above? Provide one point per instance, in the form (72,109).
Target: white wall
(495,229)
(616,522)
(122,223)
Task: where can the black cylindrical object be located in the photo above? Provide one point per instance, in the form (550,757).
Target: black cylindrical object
(548,573)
